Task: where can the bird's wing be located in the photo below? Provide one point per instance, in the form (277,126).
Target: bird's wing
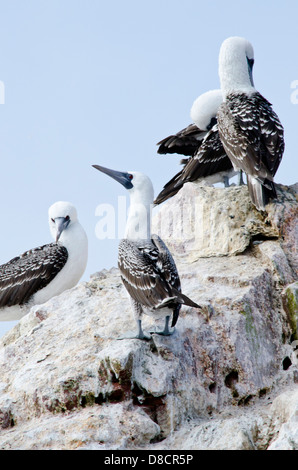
(24,275)
(185,142)
(210,158)
(170,188)
(147,273)
(251,134)
(272,136)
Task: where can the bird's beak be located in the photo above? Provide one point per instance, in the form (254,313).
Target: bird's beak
(122,177)
(61,224)
(250,64)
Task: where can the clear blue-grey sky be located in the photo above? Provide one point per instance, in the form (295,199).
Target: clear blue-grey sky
(102,82)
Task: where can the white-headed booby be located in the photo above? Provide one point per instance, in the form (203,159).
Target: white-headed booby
(43,272)
(208,162)
(146,266)
(249,129)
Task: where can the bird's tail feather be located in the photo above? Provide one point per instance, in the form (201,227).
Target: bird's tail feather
(170,189)
(177,298)
(175,315)
(168,302)
(166,193)
(261,193)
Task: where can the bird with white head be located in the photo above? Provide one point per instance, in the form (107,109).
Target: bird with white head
(146,266)
(249,129)
(46,271)
(208,163)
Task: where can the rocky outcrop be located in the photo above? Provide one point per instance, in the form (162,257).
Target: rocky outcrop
(226,379)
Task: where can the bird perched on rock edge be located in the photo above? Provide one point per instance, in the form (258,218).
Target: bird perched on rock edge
(46,271)
(249,129)
(208,162)
(146,266)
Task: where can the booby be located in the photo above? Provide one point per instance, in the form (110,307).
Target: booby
(147,268)
(46,271)
(203,114)
(208,162)
(249,129)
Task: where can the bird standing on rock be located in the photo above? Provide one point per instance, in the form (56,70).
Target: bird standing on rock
(249,129)
(208,162)
(146,266)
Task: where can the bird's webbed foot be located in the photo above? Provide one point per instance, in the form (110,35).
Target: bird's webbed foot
(131,335)
(166,331)
(139,335)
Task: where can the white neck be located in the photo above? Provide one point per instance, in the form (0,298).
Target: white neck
(75,240)
(138,225)
(235,84)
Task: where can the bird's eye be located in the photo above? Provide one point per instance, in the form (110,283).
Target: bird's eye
(67,217)
(53,220)
(130,176)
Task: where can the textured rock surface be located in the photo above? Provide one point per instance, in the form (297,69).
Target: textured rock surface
(226,379)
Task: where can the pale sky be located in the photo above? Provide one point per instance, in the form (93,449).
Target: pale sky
(96,82)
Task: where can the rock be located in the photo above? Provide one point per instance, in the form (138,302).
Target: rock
(253,429)
(290,304)
(226,379)
(285,419)
(98,427)
(204,221)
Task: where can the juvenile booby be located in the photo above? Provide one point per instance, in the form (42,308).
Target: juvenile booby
(249,129)
(208,162)
(146,266)
(203,114)
(46,271)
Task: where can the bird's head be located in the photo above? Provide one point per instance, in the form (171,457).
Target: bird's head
(62,215)
(236,60)
(138,184)
(204,109)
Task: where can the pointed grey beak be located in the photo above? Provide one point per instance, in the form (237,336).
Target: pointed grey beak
(122,177)
(250,64)
(61,224)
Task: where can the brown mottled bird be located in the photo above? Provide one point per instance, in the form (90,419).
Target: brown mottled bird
(146,266)
(43,272)
(208,162)
(249,129)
